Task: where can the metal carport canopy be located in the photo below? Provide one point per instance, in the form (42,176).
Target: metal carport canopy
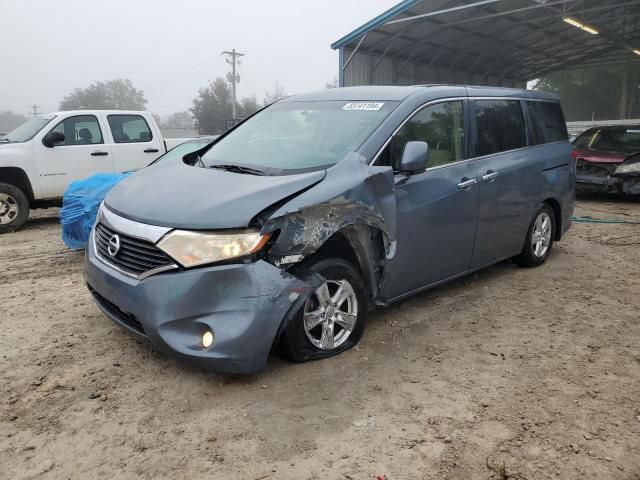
(488,42)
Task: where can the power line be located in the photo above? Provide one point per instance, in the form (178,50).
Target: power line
(233,77)
(243,73)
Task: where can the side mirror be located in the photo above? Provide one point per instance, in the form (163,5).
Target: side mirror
(414,157)
(51,138)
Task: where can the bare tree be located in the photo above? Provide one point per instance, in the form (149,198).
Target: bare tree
(332,84)
(278,93)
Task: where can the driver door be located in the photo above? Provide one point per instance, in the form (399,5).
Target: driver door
(437,210)
(82,153)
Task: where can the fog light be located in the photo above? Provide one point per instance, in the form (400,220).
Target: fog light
(207,339)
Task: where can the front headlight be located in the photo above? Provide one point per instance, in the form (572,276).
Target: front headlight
(628,168)
(191,249)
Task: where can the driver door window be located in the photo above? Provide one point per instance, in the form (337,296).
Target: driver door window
(79,130)
(440,125)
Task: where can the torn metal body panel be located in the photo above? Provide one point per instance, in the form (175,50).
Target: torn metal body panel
(356,200)
(609,177)
(630,183)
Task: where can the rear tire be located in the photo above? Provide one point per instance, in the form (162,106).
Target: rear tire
(332,319)
(539,241)
(14,208)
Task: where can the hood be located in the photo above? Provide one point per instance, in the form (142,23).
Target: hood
(10,153)
(599,156)
(175,195)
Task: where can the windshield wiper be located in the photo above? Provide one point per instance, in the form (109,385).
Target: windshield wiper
(238,169)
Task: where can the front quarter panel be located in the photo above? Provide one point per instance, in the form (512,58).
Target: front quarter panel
(21,155)
(352,193)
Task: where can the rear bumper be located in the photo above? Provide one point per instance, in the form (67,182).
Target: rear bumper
(243,304)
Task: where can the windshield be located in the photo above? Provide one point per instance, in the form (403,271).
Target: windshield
(618,140)
(294,137)
(181,150)
(28,130)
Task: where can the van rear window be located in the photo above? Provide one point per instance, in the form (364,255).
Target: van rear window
(500,126)
(547,122)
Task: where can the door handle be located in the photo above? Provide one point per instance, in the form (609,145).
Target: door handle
(464,184)
(490,176)
(151,150)
(99,153)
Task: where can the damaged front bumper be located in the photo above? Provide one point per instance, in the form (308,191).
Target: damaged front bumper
(245,305)
(604,180)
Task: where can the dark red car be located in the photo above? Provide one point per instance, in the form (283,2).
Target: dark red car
(608,159)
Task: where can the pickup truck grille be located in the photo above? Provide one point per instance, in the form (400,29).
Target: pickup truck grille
(135,257)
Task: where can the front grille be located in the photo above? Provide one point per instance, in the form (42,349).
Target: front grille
(126,318)
(134,257)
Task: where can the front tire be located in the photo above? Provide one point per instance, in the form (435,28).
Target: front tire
(14,208)
(539,239)
(333,318)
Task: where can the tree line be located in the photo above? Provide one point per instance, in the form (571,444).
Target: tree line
(212,109)
(605,93)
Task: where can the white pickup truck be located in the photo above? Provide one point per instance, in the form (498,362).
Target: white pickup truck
(40,158)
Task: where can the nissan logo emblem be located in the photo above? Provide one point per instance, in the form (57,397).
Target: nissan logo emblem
(113,246)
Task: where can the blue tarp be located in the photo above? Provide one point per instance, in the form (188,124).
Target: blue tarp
(80,206)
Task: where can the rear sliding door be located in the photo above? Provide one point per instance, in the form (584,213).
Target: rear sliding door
(508,179)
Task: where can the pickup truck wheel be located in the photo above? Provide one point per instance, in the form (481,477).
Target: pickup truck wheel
(539,239)
(333,318)
(14,208)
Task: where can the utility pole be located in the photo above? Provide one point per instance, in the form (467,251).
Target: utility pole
(35,110)
(233,77)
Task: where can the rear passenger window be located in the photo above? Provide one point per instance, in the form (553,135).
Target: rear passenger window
(500,126)
(441,126)
(129,128)
(547,122)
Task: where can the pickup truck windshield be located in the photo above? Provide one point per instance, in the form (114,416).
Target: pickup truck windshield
(294,137)
(28,130)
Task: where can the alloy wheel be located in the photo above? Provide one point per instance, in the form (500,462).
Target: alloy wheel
(541,235)
(330,314)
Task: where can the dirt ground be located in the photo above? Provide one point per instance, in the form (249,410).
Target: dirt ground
(532,371)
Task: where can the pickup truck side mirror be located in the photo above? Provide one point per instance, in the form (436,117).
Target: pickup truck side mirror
(414,157)
(51,138)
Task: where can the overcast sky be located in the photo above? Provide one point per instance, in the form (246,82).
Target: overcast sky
(169,48)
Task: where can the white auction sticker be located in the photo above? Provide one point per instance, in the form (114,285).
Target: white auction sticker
(363,106)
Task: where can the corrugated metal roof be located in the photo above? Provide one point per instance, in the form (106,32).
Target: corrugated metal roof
(518,39)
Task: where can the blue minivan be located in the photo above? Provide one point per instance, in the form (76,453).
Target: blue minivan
(284,232)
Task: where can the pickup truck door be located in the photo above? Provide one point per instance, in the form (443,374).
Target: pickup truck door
(83,153)
(135,141)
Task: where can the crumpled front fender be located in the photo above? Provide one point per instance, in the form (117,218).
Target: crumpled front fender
(353,193)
